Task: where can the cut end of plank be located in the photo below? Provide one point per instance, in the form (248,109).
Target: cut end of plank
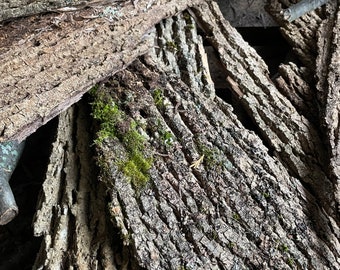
(8,215)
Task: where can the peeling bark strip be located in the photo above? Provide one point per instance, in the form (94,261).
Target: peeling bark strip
(10,9)
(71,213)
(328,86)
(44,74)
(293,138)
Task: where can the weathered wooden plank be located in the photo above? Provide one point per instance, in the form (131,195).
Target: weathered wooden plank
(43,74)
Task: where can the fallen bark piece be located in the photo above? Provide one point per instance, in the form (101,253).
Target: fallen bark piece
(10,153)
(328,86)
(71,215)
(43,74)
(295,83)
(292,138)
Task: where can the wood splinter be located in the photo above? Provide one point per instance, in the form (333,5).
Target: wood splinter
(10,153)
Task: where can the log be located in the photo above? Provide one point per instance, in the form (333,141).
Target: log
(214,197)
(47,68)
(323,62)
(182,181)
(301,33)
(233,207)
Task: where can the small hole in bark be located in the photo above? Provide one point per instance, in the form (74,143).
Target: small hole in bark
(143,113)
(36,43)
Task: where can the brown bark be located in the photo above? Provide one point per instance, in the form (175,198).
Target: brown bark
(71,215)
(43,74)
(293,138)
(237,206)
(218,195)
(328,86)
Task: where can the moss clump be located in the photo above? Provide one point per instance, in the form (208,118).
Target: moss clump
(114,123)
(158,97)
(108,115)
(171,46)
(167,137)
(211,156)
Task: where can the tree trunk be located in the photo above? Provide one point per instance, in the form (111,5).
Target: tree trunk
(182,179)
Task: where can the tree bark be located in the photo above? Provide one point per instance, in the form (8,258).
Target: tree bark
(324,62)
(301,33)
(184,181)
(43,74)
(72,215)
(328,86)
(216,198)
(291,136)
(11,9)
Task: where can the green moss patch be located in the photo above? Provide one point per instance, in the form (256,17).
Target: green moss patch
(115,124)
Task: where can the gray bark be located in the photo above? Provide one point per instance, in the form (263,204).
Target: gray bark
(293,138)
(71,214)
(10,9)
(328,86)
(238,206)
(218,195)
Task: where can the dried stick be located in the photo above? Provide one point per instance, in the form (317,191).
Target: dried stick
(10,153)
(304,6)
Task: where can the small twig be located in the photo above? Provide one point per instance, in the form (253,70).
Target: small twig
(304,6)
(197,162)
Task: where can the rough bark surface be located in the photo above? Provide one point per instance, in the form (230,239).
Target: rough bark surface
(43,74)
(295,83)
(328,86)
(71,215)
(216,198)
(293,138)
(10,9)
(218,195)
(301,33)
